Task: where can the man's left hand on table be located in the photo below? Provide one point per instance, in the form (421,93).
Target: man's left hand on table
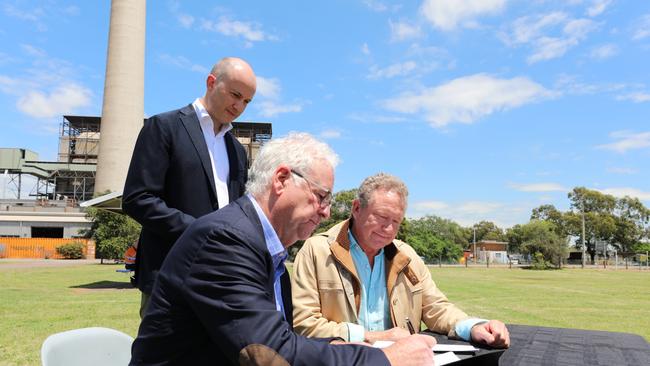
(492,333)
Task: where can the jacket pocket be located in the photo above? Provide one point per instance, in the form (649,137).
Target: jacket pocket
(329,285)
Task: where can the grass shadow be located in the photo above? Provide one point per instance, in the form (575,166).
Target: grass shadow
(103,285)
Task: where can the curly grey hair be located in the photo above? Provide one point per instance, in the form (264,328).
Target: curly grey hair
(385,182)
(297,150)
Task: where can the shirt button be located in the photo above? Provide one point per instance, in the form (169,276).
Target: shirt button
(394,301)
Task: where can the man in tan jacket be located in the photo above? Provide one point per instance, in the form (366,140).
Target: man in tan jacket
(357,282)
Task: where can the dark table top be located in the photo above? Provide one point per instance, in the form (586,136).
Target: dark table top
(544,346)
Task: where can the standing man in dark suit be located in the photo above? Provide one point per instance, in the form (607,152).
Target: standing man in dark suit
(222,296)
(187,164)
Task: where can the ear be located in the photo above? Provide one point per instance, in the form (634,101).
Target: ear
(356,207)
(280,177)
(210,81)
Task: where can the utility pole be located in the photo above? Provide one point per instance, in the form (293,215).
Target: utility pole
(583,235)
(474,228)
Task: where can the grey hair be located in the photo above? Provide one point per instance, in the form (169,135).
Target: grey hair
(384,182)
(297,150)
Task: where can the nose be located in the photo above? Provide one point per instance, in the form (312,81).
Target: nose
(324,212)
(239,106)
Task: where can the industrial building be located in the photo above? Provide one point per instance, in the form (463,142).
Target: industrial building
(52,208)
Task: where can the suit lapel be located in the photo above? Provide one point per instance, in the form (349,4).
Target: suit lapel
(285,281)
(233,171)
(193,128)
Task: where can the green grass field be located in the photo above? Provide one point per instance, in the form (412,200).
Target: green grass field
(36,302)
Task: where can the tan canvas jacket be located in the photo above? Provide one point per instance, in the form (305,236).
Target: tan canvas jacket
(326,288)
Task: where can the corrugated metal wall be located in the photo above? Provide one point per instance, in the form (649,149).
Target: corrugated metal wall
(40,248)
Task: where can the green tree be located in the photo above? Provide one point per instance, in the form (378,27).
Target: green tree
(598,211)
(486,230)
(113,232)
(632,222)
(538,236)
(434,238)
(552,214)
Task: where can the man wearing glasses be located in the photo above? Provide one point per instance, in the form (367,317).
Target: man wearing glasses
(223,295)
(357,282)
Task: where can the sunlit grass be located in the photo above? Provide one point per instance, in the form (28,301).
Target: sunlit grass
(36,302)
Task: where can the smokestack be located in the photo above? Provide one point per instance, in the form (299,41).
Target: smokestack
(123,106)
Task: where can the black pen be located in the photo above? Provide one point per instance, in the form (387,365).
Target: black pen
(410,326)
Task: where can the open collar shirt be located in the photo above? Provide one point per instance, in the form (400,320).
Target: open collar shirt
(217,149)
(278,253)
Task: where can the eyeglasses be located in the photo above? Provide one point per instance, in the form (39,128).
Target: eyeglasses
(324,200)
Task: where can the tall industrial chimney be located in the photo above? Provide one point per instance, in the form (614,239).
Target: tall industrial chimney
(123,107)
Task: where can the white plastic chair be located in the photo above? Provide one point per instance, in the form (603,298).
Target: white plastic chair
(87,346)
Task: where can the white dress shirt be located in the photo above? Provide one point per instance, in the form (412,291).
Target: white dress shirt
(217,149)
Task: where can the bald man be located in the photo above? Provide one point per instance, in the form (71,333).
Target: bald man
(186,163)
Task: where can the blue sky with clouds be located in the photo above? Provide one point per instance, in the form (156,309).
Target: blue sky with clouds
(486,108)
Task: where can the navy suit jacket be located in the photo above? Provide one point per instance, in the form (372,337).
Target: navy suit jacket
(214,302)
(170,184)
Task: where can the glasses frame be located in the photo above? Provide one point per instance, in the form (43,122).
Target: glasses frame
(323,201)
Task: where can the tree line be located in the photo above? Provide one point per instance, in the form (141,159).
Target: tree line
(624,223)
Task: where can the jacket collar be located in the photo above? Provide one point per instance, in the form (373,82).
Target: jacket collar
(193,128)
(396,261)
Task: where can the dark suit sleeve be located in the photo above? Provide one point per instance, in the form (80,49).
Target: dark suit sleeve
(229,288)
(145,182)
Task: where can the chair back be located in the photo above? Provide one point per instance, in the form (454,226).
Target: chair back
(87,346)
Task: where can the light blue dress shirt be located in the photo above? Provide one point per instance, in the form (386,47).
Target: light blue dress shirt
(277,251)
(374,315)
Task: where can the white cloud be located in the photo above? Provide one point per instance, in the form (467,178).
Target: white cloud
(268,88)
(447,15)
(33,51)
(270,104)
(626,191)
(642,30)
(467,99)
(375,118)
(527,29)
(549,35)
(249,31)
(401,30)
(183,63)
(33,15)
(604,51)
(470,212)
(65,99)
(636,97)
(627,141)
(598,7)
(330,134)
(269,108)
(72,10)
(376,5)
(429,206)
(365,49)
(399,69)
(186,20)
(539,187)
(619,170)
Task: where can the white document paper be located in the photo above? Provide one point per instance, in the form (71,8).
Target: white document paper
(454,348)
(437,348)
(445,358)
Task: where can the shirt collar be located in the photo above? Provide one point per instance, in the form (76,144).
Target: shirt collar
(275,247)
(354,245)
(206,121)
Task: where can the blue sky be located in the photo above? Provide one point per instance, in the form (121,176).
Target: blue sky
(486,108)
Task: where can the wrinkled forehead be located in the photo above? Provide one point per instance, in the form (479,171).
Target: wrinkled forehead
(387,198)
